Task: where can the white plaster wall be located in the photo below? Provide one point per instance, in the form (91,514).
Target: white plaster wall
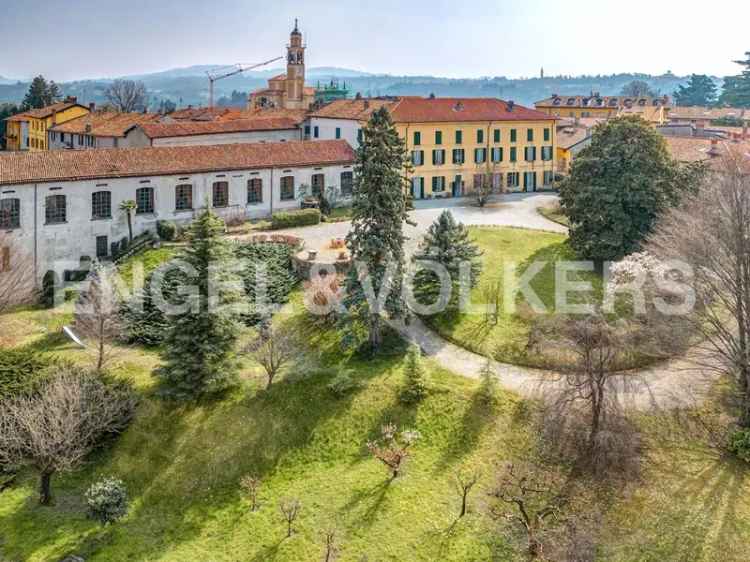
(136,138)
(327,129)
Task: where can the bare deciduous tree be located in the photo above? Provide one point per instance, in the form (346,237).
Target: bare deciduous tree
(332,546)
(710,231)
(534,495)
(464,484)
(273,349)
(290,509)
(127,95)
(56,428)
(16,273)
(393,448)
(97,313)
(251,487)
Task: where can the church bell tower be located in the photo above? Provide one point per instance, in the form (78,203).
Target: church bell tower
(295,70)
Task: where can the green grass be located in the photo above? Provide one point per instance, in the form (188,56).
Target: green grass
(149,260)
(554,213)
(182,466)
(518,249)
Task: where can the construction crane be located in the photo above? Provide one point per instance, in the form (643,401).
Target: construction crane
(217,74)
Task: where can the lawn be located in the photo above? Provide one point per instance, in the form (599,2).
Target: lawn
(507,339)
(182,466)
(555,214)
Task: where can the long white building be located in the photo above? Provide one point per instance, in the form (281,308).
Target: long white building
(61,205)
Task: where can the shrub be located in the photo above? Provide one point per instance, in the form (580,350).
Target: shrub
(739,444)
(107,500)
(489,391)
(415,388)
(342,384)
(167,230)
(21,370)
(49,282)
(290,219)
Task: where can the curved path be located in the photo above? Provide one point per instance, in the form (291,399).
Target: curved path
(661,386)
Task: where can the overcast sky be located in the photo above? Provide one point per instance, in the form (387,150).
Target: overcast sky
(73,39)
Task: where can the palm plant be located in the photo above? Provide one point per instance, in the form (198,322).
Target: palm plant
(128,207)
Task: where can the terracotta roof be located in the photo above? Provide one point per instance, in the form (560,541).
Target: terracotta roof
(105,123)
(50,110)
(445,110)
(70,165)
(201,113)
(278,77)
(360,110)
(204,114)
(691,149)
(189,128)
(568,137)
(18,117)
(698,112)
(602,102)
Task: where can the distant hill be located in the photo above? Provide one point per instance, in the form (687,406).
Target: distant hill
(7,81)
(189,85)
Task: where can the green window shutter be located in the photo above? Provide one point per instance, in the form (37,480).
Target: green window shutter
(338,132)
(512,135)
(497,135)
(513,154)
(546,135)
(459,137)
(530,135)
(438,137)
(480,136)
(417,138)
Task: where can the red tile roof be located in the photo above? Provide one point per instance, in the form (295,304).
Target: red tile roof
(70,165)
(50,110)
(190,128)
(360,109)
(105,123)
(446,110)
(692,149)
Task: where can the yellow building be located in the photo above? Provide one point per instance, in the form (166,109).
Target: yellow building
(654,110)
(29,130)
(458,144)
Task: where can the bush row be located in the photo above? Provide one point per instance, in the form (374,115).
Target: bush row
(290,219)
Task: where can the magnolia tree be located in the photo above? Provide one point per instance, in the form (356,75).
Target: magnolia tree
(16,273)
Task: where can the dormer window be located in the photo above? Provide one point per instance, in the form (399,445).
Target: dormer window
(642,102)
(571,101)
(556,101)
(613,102)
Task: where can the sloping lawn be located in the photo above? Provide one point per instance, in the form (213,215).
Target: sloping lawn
(182,466)
(519,249)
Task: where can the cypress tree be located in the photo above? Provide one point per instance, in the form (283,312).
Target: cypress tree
(447,242)
(376,238)
(415,388)
(199,355)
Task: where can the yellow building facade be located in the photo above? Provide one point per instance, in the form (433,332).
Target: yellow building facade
(29,130)
(510,147)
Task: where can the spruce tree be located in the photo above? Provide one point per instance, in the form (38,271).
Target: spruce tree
(199,350)
(415,388)
(737,88)
(447,243)
(41,94)
(700,90)
(376,238)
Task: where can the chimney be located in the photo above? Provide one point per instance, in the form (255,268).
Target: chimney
(367,104)
(511,105)
(432,96)
(92,107)
(71,99)
(714,150)
(358,96)
(88,127)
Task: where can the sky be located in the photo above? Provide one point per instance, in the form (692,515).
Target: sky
(77,39)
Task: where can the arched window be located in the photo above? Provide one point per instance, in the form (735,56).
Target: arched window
(220,194)
(255,191)
(101,205)
(56,209)
(144,200)
(10,213)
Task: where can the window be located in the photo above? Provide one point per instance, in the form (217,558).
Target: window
(101,205)
(513,179)
(438,184)
(513,135)
(144,200)
(10,213)
(417,138)
(417,157)
(497,135)
(287,188)
(255,191)
(438,157)
(458,156)
(546,153)
(56,209)
(359,136)
(548,178)
(438,137)
(497,154)
(183,197)
(497,181)
(220,194)
(62,137)
(480,136)
(530,153)
(480,155)
(417,188)
(529,181)
(102,246)
(347,183)
(546,135)
(316,131)
(513,155)
(459,137)
(338,132)
(318,184)
(478,181)
(307,131)
(530,135)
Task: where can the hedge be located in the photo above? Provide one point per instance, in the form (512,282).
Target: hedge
(289,219)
